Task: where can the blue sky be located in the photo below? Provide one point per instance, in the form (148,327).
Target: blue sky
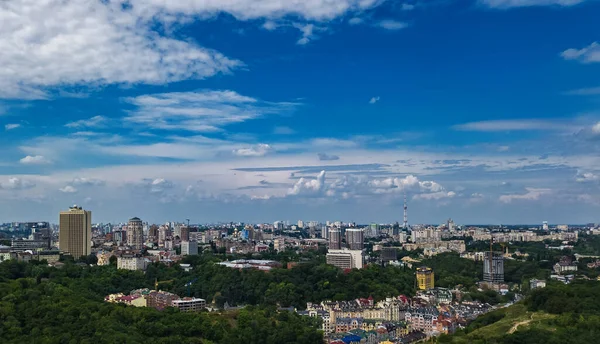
(236,110)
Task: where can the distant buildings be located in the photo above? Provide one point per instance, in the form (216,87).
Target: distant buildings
(389,254)
(135,233)
(279,244)
(535,283)
(565,265)
(189,304)
(355,238)
(131,262)
(189,248)
(75,233)
(265,265)
(335,239)
(345,259)
(425,278)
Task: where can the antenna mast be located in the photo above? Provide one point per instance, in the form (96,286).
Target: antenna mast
(405,224)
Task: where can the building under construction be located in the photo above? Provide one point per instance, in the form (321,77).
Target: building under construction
(493,267)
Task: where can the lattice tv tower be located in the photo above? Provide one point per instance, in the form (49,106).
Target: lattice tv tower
(405,225)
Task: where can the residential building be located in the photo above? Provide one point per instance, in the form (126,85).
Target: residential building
(345,259)
(75,233)
(135,233)
(279,244)
(161,299)
(565,265)
(24,244)
(355,238)
(185,233)
(131,262)
(425,278)
(335,239)
(189,248)
(189,304)
(535,283)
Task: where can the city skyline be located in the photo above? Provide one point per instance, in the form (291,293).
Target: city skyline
(275,110)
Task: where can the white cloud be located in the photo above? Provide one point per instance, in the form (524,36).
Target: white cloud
(407,7)
(503,148)
(257,150)
(17,184)
(308,32)
(94,122)
(532,194)
(201,111)
(269,25)
(511,125)
(348,186)
(505,4)
(587,177)
(68,189)
(355,21)
(596,128)
(435,195)
(374,100)
(88,182)
(34,160)
(255,9)
(90,42)
(309,187)
(283,131)
(327,157)
(390,24)
(589,54)
(11,126)
(591,91)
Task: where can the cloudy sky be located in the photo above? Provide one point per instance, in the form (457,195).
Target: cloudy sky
(486,111)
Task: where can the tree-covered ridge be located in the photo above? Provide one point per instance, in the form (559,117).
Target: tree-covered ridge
(59,308)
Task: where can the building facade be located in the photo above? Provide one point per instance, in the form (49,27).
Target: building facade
(189,248)
(131,262)
(75,232)
(135,233)
(189,304)
(425,278)
(345,259)
(355,238)
(493,267)
(335,239)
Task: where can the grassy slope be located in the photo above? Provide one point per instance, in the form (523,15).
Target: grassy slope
(516,318)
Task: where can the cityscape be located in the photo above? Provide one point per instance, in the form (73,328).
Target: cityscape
(299,171)
(430,305)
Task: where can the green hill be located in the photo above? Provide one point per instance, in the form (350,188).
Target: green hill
(556,314)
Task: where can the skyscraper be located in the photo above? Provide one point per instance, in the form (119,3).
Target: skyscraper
(185,234)
(135,233)
(355,238)
(75,232)
(335,239)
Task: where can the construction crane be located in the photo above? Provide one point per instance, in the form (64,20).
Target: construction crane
(188,285)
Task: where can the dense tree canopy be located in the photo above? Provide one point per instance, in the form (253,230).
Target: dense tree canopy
(48,305)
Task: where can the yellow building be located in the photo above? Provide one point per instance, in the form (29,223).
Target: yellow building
(75,232)
(425,278)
